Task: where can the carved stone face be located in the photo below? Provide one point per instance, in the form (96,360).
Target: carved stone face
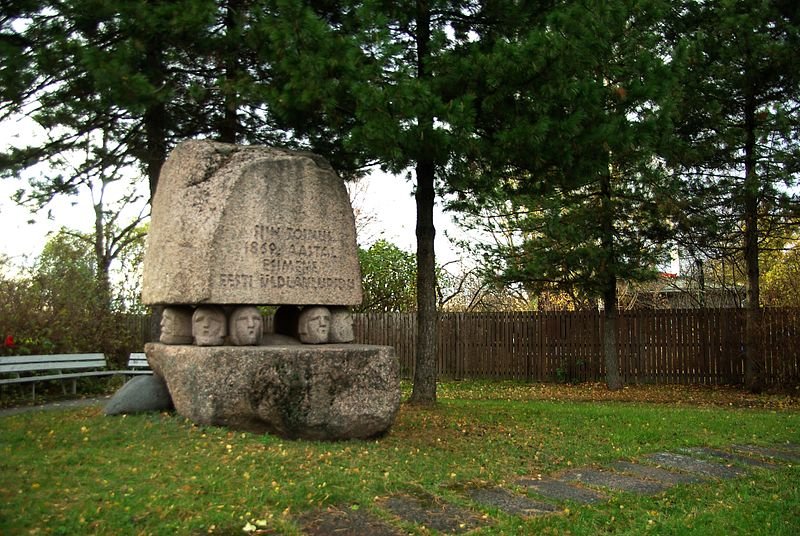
(314,325)
(208,326)
(341,326)
(246,326)
(176,326)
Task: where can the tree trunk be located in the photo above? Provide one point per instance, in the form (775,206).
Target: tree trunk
(103,263)
(424,391)
(229,125)
(608,274)
(155,117)
(155,145)
(610,356)
(754,367)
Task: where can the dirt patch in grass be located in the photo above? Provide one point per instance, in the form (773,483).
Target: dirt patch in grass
(432,513)
(346,522)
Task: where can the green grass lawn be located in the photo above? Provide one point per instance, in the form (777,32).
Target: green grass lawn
(78,472)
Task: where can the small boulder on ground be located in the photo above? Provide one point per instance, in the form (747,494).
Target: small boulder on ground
(140,395)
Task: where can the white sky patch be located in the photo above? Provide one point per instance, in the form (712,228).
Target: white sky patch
(389,199)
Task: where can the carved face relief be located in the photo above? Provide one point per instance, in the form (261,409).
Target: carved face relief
(314,325)
(176,326)
(341,325)
(208,326)
(246,326)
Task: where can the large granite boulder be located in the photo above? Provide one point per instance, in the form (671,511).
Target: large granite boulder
(238,226)
(327,392)
(250,225)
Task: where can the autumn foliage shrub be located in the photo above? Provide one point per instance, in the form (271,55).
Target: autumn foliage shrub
(59,306)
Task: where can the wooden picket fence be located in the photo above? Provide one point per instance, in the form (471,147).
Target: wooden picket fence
(665,346)
(675,346)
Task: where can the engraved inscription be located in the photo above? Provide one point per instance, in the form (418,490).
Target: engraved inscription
(236,280)
(270,281)
(288,258)
(273,249)
(291,250)
(309,283)
(297,266)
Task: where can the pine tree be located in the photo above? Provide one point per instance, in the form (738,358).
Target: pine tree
(374,72)
(739,125)
(569,149)
(102,80)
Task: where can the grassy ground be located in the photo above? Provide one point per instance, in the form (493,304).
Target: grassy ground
(76,472)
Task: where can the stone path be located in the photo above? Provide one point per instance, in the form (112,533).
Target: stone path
(511,503)
(551,494)
(560,490)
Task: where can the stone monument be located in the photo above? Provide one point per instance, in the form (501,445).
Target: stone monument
(236,227)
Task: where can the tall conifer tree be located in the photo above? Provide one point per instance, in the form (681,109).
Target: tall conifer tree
(739,129)
(569,147)
(374,70)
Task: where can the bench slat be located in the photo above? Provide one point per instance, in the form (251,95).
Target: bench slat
(27,379)
(138,360)
(86,363)
(65,365)
(55,358)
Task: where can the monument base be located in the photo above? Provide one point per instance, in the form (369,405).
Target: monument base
(324,392)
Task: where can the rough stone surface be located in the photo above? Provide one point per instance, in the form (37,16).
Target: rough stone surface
(615,481)
(771,454)
(250,225)
(655,473)
(693,465)
(729,457)
(511,503)
(560,490)
(139,395)
(313,392)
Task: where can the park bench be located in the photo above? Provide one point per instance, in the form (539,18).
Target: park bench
(137,364)
(36,368)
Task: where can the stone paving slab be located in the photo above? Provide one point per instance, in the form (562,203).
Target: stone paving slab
(656,473)
(431,513)
(689,464)
(511,503)
(346,522)
(615,481)
(770,453)
(561,491)
(731,457)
